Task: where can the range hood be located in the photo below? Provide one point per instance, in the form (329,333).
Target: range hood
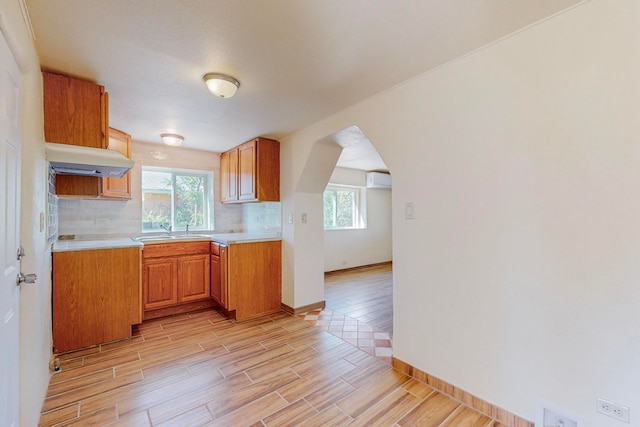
(77,160)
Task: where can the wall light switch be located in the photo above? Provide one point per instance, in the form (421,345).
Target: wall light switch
(409,210)
(304,218)
(291,218)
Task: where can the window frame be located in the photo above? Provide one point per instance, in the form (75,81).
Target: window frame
(359,206)
(209,201)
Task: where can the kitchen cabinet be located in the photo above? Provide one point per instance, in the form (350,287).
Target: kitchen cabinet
(75,111)
(175,274)
(218,285)
(117,188)
(247,278)
(96,296)
(229,175)
(96,187)
(250,172)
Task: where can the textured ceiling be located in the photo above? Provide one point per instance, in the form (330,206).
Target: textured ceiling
(297,60)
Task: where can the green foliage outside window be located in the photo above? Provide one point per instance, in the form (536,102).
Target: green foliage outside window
(176,198)
(341,206)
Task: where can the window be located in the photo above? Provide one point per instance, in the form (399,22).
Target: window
(343,207)
(176,198)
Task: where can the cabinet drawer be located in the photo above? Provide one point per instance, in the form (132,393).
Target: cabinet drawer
(215,248)
(174,249)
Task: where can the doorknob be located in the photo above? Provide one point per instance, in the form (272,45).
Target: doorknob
(26,278)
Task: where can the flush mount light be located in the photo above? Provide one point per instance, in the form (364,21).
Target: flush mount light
(221,85)
(172,139)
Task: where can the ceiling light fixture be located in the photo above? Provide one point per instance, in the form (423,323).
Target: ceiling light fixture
(221,85)
(172,139)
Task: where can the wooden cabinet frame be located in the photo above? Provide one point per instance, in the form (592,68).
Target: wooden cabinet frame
(251,172)
(176,275)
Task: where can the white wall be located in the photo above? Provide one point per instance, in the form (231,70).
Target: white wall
(518,279)
(371,245)
(35,300)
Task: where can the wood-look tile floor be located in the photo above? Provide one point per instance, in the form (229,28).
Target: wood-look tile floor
(204,369)
(365,294)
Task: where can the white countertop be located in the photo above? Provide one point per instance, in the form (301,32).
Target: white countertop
(233,238)
(224,238)
(84,245)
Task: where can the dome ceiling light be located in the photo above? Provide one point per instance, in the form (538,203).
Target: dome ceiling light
(172,139)
(221,85)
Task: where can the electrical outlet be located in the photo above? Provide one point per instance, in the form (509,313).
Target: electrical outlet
(553,418)
(614,410)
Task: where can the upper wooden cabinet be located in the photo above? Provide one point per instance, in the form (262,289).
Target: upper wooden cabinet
(251,172)
(118,188)
(76,112)
(96,187)
(229,175)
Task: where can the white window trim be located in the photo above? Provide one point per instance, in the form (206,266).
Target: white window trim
(360,209)
(208,208)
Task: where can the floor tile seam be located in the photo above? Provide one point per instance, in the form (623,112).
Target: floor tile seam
(73,420)
(380,402)
(461,404)
(86,375)
(380,398)
(163,420)
(156,401)
(110,357)
(451,415)
(59,408)
(213,359)
(80,399)
(262,363)
(433,390)
(351,419)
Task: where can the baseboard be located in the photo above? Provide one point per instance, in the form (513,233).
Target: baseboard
(315,306)
(359,267)
(503,416)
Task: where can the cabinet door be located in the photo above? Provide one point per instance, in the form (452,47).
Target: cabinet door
(194,277)
(118,188)
(229,175)
(216,284)
(247,171)
(160,284)
(75,111)
(227,296)
(96,296)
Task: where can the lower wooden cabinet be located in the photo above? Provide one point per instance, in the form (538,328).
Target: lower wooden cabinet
(218,286)
(96,296)
(246,278)
(175,274)
(193,278)
(160,283)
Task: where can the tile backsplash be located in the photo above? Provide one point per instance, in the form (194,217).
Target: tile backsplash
(52,208)
(97,218)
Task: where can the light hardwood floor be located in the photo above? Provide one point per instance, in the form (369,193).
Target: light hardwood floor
(365,294)
(204,369)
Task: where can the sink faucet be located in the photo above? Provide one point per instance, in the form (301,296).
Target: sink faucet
(166,228)
(187,230)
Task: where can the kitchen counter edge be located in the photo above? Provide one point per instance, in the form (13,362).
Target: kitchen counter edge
(84,245)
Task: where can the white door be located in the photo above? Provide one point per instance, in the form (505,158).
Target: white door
(10,157)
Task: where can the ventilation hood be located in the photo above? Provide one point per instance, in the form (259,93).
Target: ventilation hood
(68,159)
